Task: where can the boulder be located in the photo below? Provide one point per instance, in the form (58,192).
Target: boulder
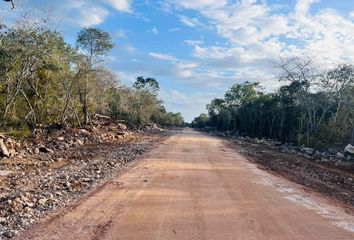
(121,126)
(42,201)
(79,142)
(325,154)
(9,143)
(349,149)
(3,149)
(84,132)
(36,150)
(308,151)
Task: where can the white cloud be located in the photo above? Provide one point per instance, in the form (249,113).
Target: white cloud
(257,34)
(246,23)
(174,29)
(129,48)
(120,33)
(80,12)
(190,22)
(121,5)
(303,6)
(193,42)
(89,15)
(162,56)
(185,70)
(155,31)
(199,4)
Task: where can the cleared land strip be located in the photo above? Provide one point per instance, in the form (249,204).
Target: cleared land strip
(195,187)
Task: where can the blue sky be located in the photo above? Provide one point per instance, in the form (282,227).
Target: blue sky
(197,49)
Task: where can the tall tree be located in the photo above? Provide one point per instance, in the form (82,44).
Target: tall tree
(94,44)
(147,84)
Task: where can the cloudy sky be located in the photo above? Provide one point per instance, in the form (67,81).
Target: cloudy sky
(197,49)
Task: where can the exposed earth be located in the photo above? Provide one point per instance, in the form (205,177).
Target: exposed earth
(69,164)
(335,182)
(194,186)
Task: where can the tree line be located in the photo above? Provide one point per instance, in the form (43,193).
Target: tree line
(314,107)
(45,80)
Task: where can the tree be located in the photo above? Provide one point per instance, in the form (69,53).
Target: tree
(149,84)
(31,59)
(303,73)
(314,107)
(201,121)
(338,85)
(240,94)
(94,43)
(44,80)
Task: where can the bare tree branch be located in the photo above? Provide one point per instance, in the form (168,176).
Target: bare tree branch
(12,3)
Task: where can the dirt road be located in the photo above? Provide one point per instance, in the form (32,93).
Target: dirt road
(194,187)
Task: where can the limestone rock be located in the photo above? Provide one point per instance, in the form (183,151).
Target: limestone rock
(309,151)
(3,149)
(349,149)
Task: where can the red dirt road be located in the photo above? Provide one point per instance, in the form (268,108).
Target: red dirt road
(195,187)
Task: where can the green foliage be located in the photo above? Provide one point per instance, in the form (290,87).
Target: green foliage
(140,105)
(149,85)
(20,133)
(240,94)
(316,109)
(32,57)
(94,42)
(44,80)
(201,121)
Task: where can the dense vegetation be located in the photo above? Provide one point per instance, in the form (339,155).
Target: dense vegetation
(44,80)
(314,108)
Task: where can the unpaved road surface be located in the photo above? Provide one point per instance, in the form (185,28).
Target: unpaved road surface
(195,187)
